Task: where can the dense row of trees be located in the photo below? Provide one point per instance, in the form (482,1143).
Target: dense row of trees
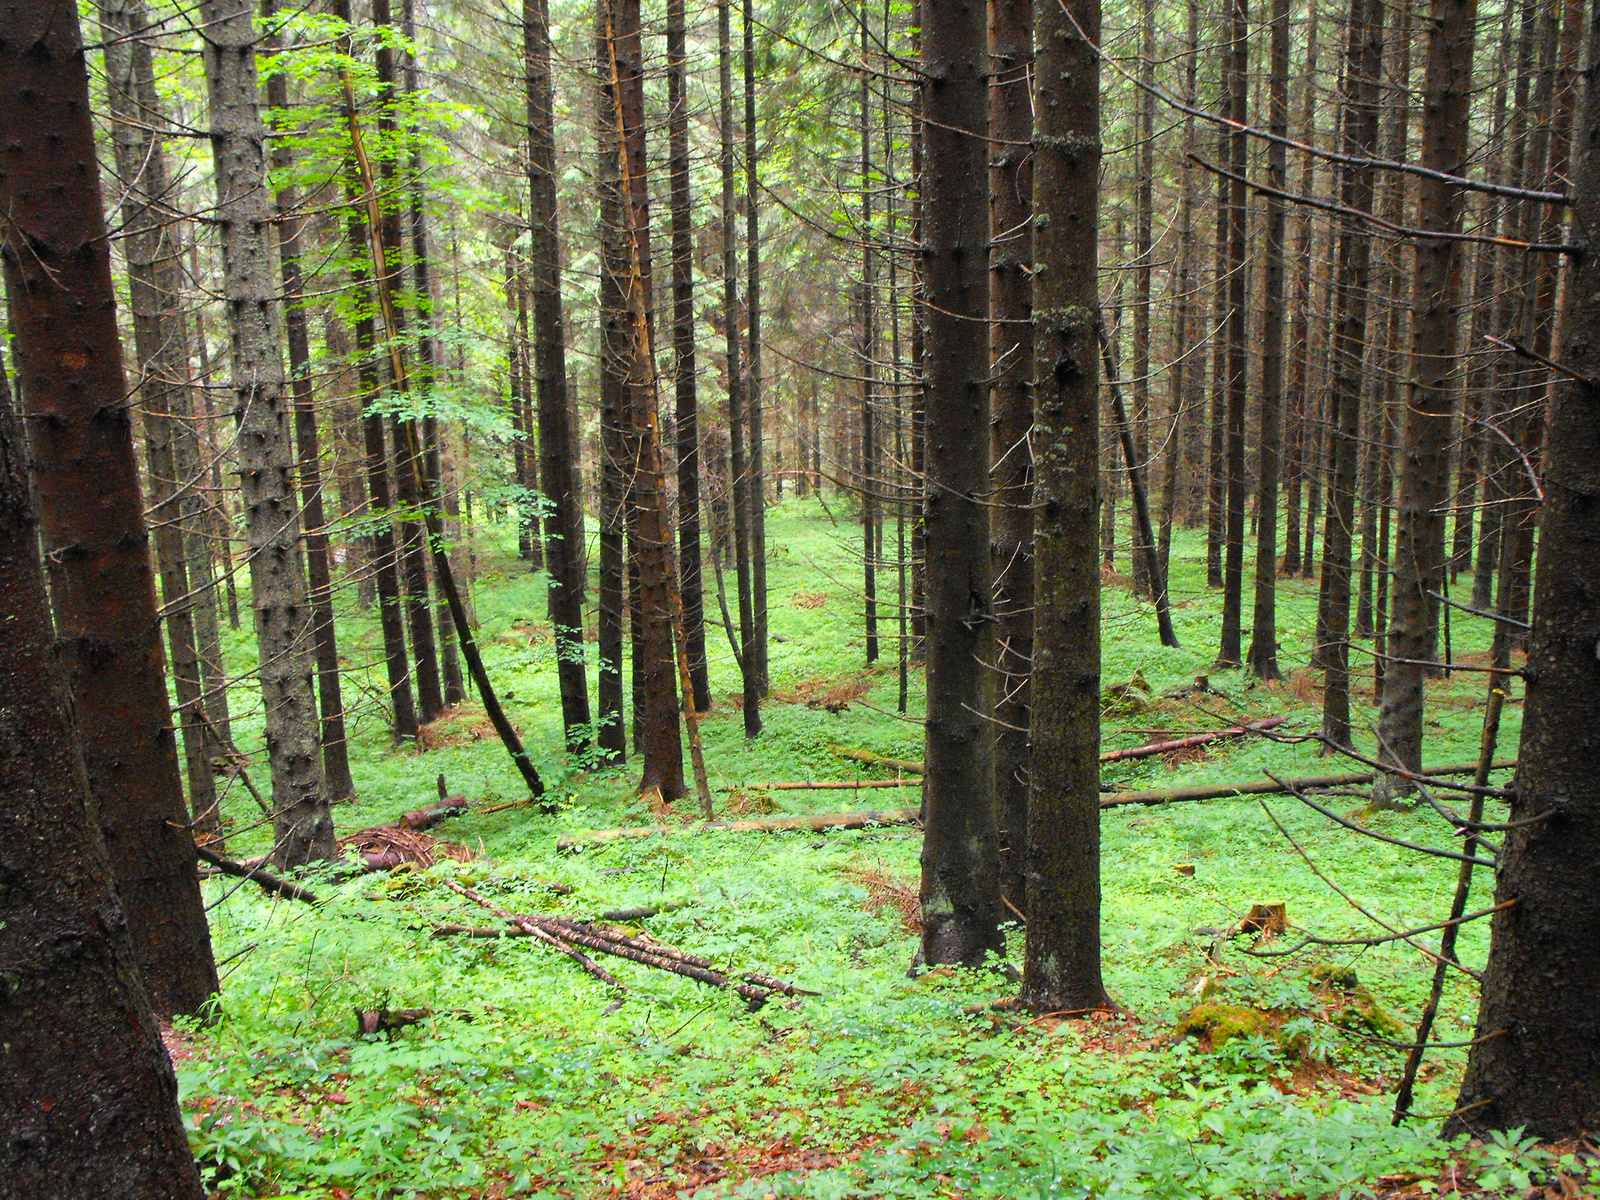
(430,245)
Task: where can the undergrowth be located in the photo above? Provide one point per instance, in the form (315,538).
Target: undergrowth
(533,1079)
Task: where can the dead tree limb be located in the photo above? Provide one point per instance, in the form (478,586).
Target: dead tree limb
(268,881)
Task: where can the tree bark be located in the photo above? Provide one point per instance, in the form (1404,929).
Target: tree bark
(63,319)
(1430,408)
(1535,1062)
(1011,358)
(753,391)
(558,446)
(1062,972)
(87,1094)
(302,822)
(960,853)
(1238,355)
(871,472)
(1263,656)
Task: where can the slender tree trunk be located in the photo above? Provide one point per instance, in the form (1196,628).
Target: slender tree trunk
(1011,356)
(870,466)
(1217,427)
(558,447)
(1530,1065)
(960,853)
(753,395)
(1429,411)
(1181,378)
(87,1092)
(690,555)
(1302,456)
(69,363)
(1363,60)
(290,225)
(1143,270)
(742,499)
(155,286)
(1263,658)
(1230,655)
(1063,940)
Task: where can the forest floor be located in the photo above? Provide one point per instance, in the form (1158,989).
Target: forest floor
(533,1079)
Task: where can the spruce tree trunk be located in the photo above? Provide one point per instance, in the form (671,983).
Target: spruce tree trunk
(867,309)
(1180,378)
(1540,1072)
(1216,473)
(69,363)
(960,854)
(1011,356)
(88,1097)
(1143,271)
(1238,334)
(155,286)
(558,446)
(1302,458)
(1062,973)
(753,392)
(1263,656)
(335,749)
(691,557)
(302,823)
(1363,59)
(1430,408)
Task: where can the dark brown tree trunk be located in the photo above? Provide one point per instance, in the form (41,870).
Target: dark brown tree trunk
(1181,377)
(1263,657)
(1363,60)
(63,320)
(686,400)
(302,822)
(753,393)
(960,853)
(335,747)
(1429,410)
(558,446)
(650,539)
(1217,423)
(155,287)
(408,467)
(1063,940)
(1011,353)
(743,502)
(1238,334)
(88,1097)
(871,472)
(1143,271)
(1538,1038)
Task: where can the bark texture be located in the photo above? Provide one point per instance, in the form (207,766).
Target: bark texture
(69,358)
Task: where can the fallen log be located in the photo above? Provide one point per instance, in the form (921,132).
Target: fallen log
(532,930)
(1154,748)
(824,785)
(267,881)
(909,816)
(815,822)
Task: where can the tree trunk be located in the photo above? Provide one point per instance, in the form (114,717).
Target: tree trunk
(1063,940)
(335,745)
(1229,654)
(155,287)
(1181,378)
(1217,424)
(753,393)
(1011,356)
(691,557)
(87,1093)
(1143,270)
(1429,410)
(63,319)
(960,854)
(1263,657)
(1533,1065)
(558,447)
(1363,60)
(870,467)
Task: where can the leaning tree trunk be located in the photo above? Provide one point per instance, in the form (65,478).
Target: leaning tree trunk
(1062,973)
(1538,1035)
(558,445)
(301,819)
(63,319)
(1011,353)
(960,851)
(155,287)
(1263,656)
(87,1092)
(1430,407)
(686,414)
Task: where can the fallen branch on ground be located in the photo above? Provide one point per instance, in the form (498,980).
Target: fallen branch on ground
(909,816)
(268,881)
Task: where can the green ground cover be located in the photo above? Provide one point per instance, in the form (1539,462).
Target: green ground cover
(1228,1075)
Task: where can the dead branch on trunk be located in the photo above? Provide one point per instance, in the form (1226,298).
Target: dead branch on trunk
(268,881)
